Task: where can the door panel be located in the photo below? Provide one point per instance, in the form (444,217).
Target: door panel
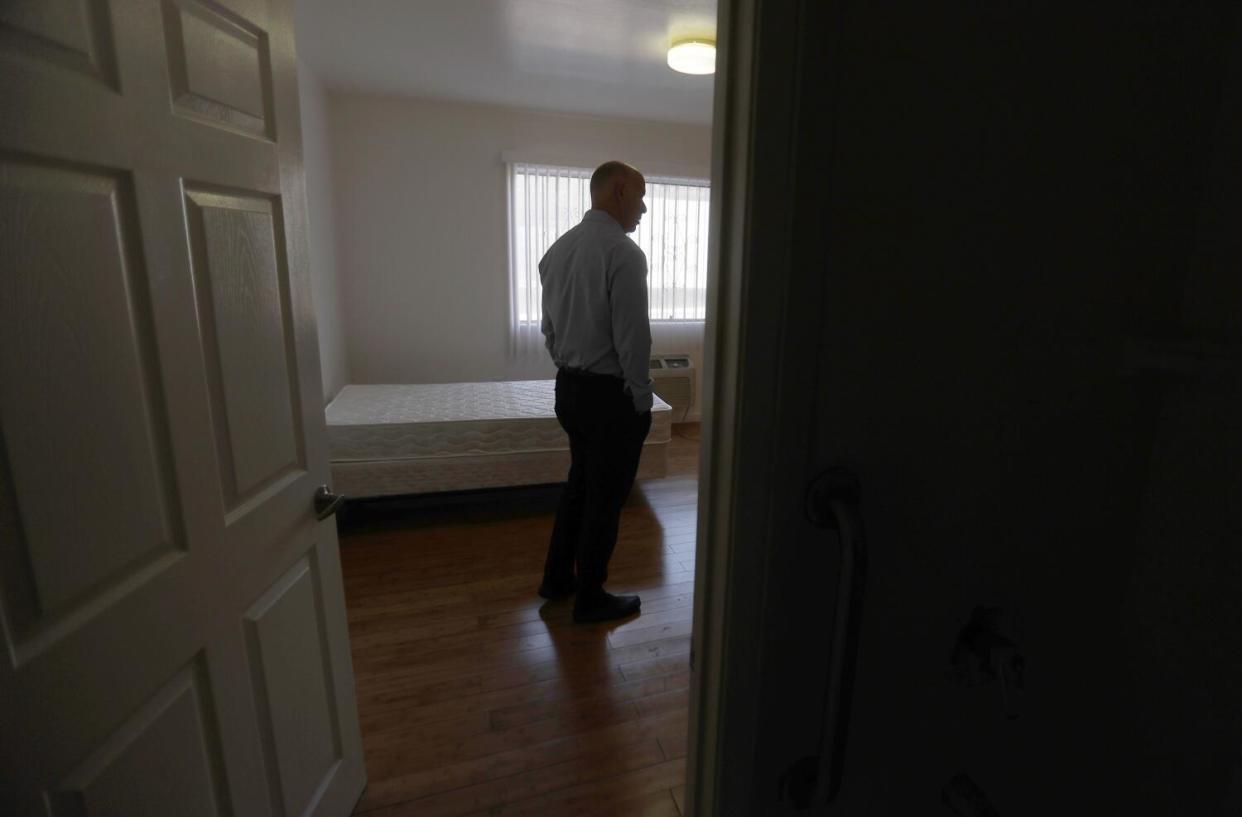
(173,613)
(220,67)
(165,759)
(75,35)
(994,267)
(242,285)
(290,673)
(72,335)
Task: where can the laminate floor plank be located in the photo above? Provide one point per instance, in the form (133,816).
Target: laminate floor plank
(477,697)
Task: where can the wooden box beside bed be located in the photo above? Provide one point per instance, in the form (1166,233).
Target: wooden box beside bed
(390,440)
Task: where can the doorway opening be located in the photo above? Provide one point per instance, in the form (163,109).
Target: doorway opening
(447,165)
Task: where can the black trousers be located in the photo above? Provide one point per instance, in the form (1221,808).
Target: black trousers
(605,441)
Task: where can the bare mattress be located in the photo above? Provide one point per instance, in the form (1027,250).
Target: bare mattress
(426,438)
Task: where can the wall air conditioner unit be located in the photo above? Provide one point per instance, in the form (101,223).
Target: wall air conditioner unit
(672,378)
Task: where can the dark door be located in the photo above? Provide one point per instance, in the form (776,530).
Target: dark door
(1014,278)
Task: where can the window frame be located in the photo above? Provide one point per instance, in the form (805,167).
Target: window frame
(520,328)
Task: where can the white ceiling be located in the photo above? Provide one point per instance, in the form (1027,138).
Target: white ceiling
(602,57)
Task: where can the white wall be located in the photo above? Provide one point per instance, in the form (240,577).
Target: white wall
(423,226)
(316,156)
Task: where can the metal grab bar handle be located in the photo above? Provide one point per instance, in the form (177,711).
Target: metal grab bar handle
(833,503)
(845,646)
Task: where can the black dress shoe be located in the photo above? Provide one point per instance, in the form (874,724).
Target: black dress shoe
(605,607)
(558,590)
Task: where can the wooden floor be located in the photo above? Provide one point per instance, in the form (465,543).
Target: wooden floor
(476,697)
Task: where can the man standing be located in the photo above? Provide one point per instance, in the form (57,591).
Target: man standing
(595,322)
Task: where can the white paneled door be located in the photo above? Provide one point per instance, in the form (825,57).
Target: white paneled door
(173,634)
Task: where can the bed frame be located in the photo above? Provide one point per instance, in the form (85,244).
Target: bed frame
(391,440)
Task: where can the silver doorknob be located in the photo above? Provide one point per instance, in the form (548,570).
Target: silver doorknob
(326,502)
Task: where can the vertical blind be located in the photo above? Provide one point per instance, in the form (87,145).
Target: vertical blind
(546,200)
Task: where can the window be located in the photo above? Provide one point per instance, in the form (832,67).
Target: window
(545,201)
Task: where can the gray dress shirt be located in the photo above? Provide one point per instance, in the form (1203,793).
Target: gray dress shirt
(595,304)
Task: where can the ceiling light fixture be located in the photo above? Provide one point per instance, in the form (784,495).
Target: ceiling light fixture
(693,56)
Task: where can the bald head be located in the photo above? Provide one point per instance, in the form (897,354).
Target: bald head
(608,174)
(618,189)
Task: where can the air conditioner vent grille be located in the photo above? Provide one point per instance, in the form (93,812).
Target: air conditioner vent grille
(672,379)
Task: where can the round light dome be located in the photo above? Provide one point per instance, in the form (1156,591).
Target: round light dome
(693,57)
